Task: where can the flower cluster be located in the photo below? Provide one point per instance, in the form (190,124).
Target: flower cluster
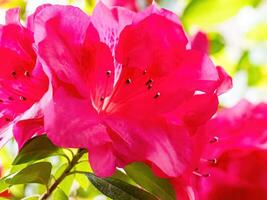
(130,87)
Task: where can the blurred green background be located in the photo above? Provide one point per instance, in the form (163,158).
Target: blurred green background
(237,30)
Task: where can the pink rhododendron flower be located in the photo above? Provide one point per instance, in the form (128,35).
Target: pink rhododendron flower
(233,164)
(147,112)
(22,82)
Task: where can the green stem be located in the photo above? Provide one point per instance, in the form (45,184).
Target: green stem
(73,162)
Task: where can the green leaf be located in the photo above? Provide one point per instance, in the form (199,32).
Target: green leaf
(66,184)
(143,176)
(205,13)
(35,173)
(37,148)
(3,184)
(217,42)
(118,190)
(254,72)
(17,191)
(123,177)
(35,197)
(59,194)
(258,32)
(89,193)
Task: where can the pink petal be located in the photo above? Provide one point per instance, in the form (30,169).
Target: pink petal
(155,9)
(130,4)
(226,81)
(30,19)
(26,129)
(195,112)
(239,175)
(13,16)
(165,146)
(109,22)
(205,77)
(102,160)
(200,42)
(22,80)
(165,39)
(68,55)
(69,119)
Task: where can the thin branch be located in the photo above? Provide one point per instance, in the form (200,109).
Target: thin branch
(71,165)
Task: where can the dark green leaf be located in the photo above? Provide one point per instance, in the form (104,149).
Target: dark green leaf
(143,176)
(35,173)
(37,148)
(119,190)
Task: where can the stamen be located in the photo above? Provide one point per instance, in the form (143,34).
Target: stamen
(7,119)
(149,82)
(14,73)
(22,98)
(201,175)
(128,81)
(214,140)
(149,86)
(102,98)
(27,73)
(212,161)
(10,98)
(108,73)
(156,95)
(144,72)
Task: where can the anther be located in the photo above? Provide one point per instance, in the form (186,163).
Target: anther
(214,140)
(108,73)
(201,175)
(149,82)
(144,72)
(102,98)
(10,98)
(27,73)
(213,161)
(128,81)
(157,95)
(7,119)
(14,73)
(22,98)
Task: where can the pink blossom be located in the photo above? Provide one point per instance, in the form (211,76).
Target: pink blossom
(22,82)
(233,164)
(131,116)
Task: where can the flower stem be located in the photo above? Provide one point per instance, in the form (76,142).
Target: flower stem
(73,162)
